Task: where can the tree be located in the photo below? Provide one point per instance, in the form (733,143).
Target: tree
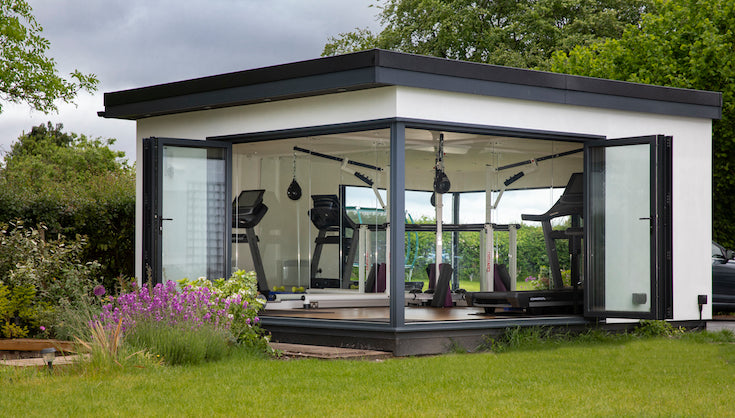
(689,44)
(73,185)
(518,33)
(27,75)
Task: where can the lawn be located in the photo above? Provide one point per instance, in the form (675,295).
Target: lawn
(646,377)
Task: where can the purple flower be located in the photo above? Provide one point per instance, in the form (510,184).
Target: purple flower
(99,290)
(42,328)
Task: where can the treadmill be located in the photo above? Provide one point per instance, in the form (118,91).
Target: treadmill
(557,299)
(330,218)
(248,210)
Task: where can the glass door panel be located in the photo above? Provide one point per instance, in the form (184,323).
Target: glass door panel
(626,216)
(190,211)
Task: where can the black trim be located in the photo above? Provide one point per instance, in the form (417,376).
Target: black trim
(150,209)
(379,68)
(665,223)
(410,123)
(397,236)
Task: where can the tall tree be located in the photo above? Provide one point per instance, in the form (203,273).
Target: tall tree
(27,75)
(518,33)
(689,44)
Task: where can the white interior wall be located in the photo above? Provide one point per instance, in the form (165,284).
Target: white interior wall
(286,232)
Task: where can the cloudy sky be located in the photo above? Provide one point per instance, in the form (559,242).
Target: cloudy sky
(136,43)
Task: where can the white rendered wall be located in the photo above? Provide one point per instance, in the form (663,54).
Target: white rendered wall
(692,145)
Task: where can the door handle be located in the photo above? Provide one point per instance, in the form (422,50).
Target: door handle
(160,223)
(650,220)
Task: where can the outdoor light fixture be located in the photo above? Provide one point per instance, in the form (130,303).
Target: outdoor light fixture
(49,354)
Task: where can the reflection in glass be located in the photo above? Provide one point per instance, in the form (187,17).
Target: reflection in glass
(193,205)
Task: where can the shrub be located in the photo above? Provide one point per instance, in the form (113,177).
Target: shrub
(185,327)
(75,186)
(18,310)
(40,276)
(242,287)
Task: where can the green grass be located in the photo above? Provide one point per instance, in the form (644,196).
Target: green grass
(644,377)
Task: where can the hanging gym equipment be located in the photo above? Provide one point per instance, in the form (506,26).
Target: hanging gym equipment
(294,190)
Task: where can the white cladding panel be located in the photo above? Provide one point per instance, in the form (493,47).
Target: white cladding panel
(692,146)
(284,114)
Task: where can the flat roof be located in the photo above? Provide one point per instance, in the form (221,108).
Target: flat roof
(377,68)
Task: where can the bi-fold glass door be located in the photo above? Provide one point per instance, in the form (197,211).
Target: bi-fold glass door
(628,233)
(187,209)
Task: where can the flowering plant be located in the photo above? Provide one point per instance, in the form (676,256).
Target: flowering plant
(241,287)
(181,326)
(165,304)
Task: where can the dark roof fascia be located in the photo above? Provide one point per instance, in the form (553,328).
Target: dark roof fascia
(604,95)
(376,68)
(312,85)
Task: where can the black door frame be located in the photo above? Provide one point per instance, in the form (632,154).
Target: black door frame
(661,290)
(152,202)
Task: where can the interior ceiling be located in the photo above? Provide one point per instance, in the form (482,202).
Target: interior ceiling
(474,149)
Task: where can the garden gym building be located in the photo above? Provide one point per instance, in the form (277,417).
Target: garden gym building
(380,196)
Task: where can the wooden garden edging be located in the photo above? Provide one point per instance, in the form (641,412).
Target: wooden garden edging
(33,344)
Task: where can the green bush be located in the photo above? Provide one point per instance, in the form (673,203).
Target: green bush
(18,310)
(41,278)
(75,186)
(242,286)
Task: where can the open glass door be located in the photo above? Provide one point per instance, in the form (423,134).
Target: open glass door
(627,228)
(186,206)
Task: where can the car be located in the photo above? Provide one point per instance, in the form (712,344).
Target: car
(723,279)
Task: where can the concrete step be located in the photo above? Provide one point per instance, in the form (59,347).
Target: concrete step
(329,353)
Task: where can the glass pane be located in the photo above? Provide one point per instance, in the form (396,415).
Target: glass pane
(621,230)
(193,212)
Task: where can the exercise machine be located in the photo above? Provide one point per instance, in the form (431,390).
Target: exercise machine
(558,298)
(248,210)
(332,221)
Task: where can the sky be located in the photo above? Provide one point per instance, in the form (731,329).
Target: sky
(137,43)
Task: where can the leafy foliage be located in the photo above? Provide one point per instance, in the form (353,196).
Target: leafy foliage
(532,259)
(26,73)
(655,328)
(40,277)
(688,44)
(242,286)
(73,185)
(518,33)
(17,310)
